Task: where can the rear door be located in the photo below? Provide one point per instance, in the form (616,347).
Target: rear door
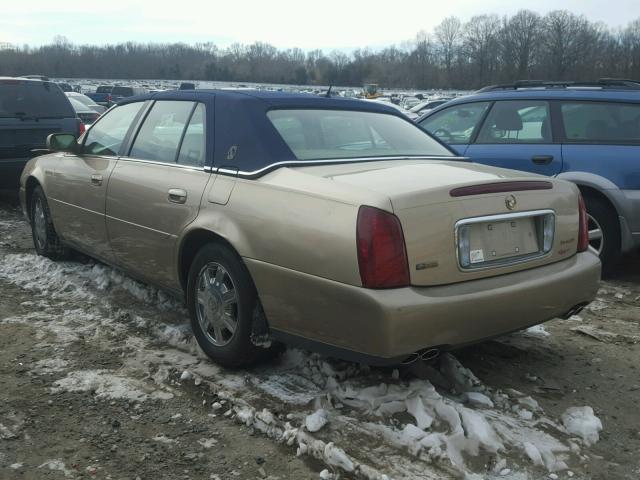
(156,188)
(456,126)
(602,138)
(78,190)
(518,134)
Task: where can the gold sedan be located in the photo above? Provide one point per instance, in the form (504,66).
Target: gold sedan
(332,224)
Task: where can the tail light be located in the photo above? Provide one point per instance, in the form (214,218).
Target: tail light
(382,256)
(583,226)
(82,127)
(109,98)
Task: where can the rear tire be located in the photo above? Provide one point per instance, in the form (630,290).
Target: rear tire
(222,299)
(604,232)
(45,239)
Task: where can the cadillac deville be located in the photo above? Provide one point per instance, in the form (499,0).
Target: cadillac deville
(332,224)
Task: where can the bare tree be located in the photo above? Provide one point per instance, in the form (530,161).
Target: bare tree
(449,36)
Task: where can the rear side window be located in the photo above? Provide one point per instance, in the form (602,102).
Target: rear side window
(104,89)
(160,134)
(107,135)
(600,122)
(193,145)
(122,91)
(455,125)
(30,99)
(335,134)
(517,122)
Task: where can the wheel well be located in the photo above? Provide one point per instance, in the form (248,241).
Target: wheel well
(597,195)
(601,197)
(194,241)
(30,186)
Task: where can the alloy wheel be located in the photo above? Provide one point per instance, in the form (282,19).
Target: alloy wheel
(596,237)
(217,304)
(40,223)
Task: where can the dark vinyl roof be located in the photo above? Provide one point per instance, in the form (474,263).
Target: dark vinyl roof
(240,121)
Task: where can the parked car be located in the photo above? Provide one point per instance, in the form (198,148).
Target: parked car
(187,86)
(102,95)
(30,110)
(118,93)
(409,102)
(65,87)
(86,101)
(425,106)
(333,224)
(586,133)
(84,113)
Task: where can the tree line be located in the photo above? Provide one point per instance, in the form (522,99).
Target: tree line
(485,50)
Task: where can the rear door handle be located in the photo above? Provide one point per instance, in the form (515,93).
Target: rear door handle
(542,159)
(96,179)
(177,195)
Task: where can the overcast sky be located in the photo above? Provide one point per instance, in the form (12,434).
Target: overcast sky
(325,24)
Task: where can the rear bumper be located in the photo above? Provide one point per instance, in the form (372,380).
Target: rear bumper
(10,170)
(385,326)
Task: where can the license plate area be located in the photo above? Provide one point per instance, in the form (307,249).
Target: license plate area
(499,240)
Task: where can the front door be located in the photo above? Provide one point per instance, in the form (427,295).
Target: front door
(77,196)
(518,134)
(155,190)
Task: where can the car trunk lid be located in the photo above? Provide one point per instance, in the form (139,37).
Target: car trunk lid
(503,215)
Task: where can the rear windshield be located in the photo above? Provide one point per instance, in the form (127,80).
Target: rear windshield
(122,91)
(31,99)
(334,134)
(104,89)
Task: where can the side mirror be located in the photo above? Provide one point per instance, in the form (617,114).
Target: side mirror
(62,142)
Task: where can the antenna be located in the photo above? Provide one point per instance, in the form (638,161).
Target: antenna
(328,94)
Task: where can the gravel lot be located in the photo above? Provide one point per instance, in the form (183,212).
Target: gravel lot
(100,378)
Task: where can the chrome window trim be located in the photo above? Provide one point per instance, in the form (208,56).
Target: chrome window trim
(310,163)
(166,164)
(502,217)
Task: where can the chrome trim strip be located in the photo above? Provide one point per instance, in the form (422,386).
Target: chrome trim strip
(502,217)
(166,164)
(169,235)
(310,163)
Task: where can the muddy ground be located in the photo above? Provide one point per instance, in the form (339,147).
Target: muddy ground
(99,379)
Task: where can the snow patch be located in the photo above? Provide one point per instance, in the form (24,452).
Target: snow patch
(106,385)
(582,422)
(316,420)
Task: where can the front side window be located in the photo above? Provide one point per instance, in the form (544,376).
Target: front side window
(334,134)
(106,136)
(517,122)
(600,122)
(160,134)
(455,125)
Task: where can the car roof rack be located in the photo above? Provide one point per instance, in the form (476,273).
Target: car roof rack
(613,83)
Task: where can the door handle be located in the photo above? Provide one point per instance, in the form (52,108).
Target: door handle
(96,179)
(542,159)
(177,195)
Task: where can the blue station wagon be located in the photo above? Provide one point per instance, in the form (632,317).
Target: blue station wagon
(587,133)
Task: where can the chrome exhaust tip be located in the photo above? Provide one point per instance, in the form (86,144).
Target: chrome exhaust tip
(575,310)
(414,357)
(430,354)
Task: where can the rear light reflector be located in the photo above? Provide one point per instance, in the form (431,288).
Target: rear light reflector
(501,187)
(583,226)
(382,255)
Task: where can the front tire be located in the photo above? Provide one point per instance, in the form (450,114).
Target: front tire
(45,239)
(604,232)
(222,300)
